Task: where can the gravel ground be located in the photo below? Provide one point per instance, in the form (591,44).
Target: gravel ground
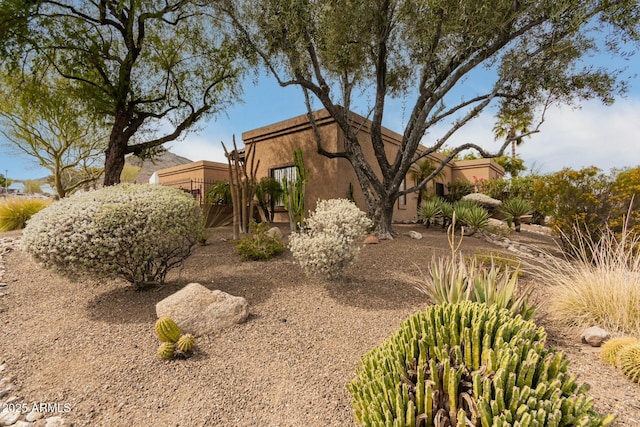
(91,344)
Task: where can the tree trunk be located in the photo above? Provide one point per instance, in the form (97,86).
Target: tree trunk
(114,156)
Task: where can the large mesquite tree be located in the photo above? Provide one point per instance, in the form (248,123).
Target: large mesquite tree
(526,52)
(151,68)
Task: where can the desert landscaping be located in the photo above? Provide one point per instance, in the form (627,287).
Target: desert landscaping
(90,347)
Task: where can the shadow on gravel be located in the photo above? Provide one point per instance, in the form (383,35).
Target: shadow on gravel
(374,294)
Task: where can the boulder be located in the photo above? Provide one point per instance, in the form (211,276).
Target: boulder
(275,233)
(199,311)
(483,200)
(414,235)
(595,336)
(371,239)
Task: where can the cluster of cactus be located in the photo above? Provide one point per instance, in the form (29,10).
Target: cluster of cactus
(624,353)
(468,364)
(174,342)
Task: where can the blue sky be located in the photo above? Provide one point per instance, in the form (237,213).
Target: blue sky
(606,137)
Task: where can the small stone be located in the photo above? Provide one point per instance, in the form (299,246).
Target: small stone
(23,424)
(275,233)
(414,235)
(56,422)
(33,416)
(8,418)
(371,239)
(595,336)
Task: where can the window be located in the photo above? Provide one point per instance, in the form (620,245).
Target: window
(439,189)
(279,174)
(402,200)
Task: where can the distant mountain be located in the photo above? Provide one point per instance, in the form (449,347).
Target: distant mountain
(165,160)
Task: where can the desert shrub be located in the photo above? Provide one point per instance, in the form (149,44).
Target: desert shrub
(329,243)
(499,259)
(625,198)
(259,245)
(575,197)
(456,279)
(429,211)
(16,212)
(134,232)
(458,188)
(468,364)
(599,285)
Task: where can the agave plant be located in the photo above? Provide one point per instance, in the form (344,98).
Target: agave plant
(446,209)
(429,210)
(514,209)
(474,217)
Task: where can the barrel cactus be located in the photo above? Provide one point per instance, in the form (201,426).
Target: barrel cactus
(468,364)
(166,350)
(186,342)
(167,330)
(610,349)
(628,361)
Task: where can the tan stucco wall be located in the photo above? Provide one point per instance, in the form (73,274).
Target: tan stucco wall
(195,177)
(478,168)
(328,178)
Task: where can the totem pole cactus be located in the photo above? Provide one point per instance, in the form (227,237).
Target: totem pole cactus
(294,192)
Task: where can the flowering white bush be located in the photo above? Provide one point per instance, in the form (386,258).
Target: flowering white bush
(329,244)
(135,232)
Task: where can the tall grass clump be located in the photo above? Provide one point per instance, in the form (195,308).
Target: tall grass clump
(15,212)
(600,285)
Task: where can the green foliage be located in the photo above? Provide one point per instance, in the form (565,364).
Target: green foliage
(456,279)
(32,186)
(16,212)
(294,192)
(468,364)
(512,166)
(219,193)
(458,189)
(268,192)
(134,232)
(514,209)
(42,118)
(4,182)
(167,330)
(175,66)
(259,245)
(575,197)
(129,173)
(429,211)
(625,198)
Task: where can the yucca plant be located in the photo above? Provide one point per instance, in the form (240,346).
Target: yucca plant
(514,208)
(14,212)
(429,211)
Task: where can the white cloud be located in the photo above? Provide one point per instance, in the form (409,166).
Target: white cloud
(595,135)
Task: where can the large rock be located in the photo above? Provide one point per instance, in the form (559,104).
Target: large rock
(414,235)
(371,239)
(483,200)
(199,311)
(595,336)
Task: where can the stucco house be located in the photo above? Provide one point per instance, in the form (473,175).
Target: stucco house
(330,178)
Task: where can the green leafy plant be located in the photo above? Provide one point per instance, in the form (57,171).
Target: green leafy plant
(514,209)
(134,232)
(468,364)
(446,209)
(268,192)
(219,193)
(474,217)
(259,245)
(16,212)
(458,188)
(294,192)
(429,211)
